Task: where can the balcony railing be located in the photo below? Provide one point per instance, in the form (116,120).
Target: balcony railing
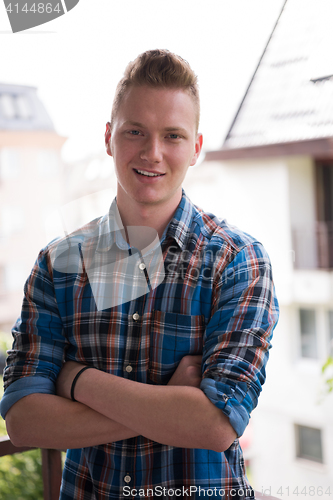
(313,246)
(52,469)
(51,466)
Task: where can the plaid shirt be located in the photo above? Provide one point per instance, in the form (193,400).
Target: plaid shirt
(215,297)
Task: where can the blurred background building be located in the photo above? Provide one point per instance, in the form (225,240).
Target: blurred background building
(273,177)
(31,188)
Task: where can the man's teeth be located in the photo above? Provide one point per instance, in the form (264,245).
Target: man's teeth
(148,174)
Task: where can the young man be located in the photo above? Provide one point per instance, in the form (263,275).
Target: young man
(178,367)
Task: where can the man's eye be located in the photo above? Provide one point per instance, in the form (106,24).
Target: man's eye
(134,132)
(174,136)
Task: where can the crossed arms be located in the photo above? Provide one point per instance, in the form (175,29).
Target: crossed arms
(111,408)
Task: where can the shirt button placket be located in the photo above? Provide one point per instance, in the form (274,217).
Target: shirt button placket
(136,316)
(142,266)
(128,363)
(130,367)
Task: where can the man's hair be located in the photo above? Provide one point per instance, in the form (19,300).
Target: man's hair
(158,68)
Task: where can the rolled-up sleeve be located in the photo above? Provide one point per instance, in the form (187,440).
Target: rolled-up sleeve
(37,353)
(238,336)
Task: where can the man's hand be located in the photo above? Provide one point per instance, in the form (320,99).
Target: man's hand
(66,377)
(188,372)
(178,414)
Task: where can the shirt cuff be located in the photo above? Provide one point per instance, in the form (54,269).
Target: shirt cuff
(23,387)
(228,399)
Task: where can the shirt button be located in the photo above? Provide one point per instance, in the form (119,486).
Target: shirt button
(129,368)
(136,316)
(142,266)
(127,478)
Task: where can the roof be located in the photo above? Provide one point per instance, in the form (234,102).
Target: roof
(21,109)
(290,96)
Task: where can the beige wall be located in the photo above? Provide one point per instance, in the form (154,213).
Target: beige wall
(25,201)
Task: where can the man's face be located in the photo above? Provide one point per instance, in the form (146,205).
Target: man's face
(153,142)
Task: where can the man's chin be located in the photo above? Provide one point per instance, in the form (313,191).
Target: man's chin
(158,199)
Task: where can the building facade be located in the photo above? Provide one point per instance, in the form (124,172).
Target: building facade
(273,177)
(31,189)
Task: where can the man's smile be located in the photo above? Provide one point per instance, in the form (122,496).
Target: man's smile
(148,174)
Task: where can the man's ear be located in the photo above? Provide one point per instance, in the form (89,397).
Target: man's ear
(107,138)
(198,148)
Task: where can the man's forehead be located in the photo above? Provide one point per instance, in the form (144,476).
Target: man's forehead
(150,92)
(159,101)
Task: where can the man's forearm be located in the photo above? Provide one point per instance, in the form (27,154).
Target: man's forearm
(48,421)
(179,416)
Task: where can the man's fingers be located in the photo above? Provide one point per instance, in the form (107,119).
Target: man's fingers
(194,359)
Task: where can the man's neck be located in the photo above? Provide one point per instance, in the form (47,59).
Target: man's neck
(156,216)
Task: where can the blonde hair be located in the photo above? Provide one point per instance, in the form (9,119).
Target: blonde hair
(158,68)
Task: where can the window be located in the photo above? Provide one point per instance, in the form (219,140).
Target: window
(7,106)
(9,163)
(309,443)
(308,333)
(23,107)
(15,106)
(324,197)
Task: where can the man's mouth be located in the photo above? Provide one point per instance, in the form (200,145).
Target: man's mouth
(147,174)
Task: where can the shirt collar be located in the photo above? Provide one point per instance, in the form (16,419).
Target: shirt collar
(179,228)
(109,231)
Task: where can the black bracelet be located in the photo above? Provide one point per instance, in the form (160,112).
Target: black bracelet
(76,378)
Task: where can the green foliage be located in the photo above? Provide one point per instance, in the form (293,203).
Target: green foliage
(4,342)
(327,371)
(3,431)
(21,473)
(21,476)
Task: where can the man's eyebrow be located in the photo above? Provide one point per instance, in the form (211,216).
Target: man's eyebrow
(175,129)
(134,124)
(141,125)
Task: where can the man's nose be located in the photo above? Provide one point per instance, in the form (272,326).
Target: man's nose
(152,150)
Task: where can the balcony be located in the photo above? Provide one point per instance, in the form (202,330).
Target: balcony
(51,466)
(52,469)
(313,246)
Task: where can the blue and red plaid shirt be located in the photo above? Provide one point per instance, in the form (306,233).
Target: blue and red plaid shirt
(216,299)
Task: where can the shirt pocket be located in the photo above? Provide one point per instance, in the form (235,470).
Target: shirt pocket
(172,337)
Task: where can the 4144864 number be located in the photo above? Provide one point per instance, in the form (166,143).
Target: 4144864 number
(40,8)
(311,491)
